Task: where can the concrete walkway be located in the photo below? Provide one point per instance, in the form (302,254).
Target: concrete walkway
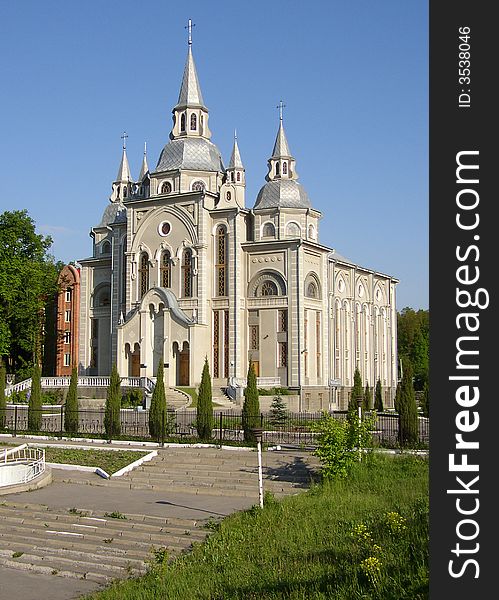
(59,542)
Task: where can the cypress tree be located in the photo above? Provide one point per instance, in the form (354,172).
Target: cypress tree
(425,400)
(378,397)
(251,406)
(3,399)
(71,407)
(112,421)
(357,392)
(157,411)
(35,400)
(408,412)
(396,403)
(204,418)
(368,398)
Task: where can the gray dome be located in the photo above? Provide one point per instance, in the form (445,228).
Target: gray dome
(114,213)
(197,154)
(282,193)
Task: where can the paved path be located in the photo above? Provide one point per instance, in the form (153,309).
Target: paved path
(64,538)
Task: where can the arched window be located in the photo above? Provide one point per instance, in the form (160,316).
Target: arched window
(268,230)
(166,270)
(187,273)
(311,291)
(198,186)
(284,168)
(221,265)
(143,274)
(194,122)
(238,176)
(311,232)
(105,248)
(182,122)
(166,187)
(277,168)
(125,191)
(293,229)
(232,175)
(268,288)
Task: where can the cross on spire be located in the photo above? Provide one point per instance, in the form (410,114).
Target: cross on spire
(280,106)
(189,27)
(124,137)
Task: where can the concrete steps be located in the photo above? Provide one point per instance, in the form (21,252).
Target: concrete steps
(88,544)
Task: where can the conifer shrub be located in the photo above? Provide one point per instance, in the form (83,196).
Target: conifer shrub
(251,406)
(35,400)
(378,397)
(158,417)
(112,421)
(408,412)
(357,392)
(71,407)
(278,412)
(204,417)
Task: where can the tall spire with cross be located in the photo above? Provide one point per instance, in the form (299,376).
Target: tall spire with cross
(281,147)
(124,169)
(190,90)
(145,167)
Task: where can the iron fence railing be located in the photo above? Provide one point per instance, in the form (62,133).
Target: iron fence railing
(289,429)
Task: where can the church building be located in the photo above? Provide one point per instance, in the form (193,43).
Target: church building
(184,267)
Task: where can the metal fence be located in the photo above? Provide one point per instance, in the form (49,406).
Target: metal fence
(292,429)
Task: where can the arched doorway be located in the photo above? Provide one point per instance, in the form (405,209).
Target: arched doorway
(184,365)
(135,361)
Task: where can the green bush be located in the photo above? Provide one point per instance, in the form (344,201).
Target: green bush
(53,396)
(71,407)
(275,391)
(3,399)
(336,443)
(132,398)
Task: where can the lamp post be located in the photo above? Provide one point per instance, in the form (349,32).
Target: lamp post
(359,408)
(258,433)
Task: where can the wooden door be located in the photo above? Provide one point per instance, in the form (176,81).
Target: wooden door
(136,364)
(183,374)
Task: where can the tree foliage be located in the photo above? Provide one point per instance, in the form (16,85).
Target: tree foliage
(251,406)
(368,398)
(357,392)
(71,406)
(112,420)
(378,397)
(413,341)
(28,279)
(408,412)
(3,399)
(204,419)
(35,400)
(278,412)
(157,411)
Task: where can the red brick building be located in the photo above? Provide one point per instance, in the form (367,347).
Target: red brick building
(68,317)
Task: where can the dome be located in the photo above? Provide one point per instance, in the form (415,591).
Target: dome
(282,193)
(197,154)
(114,213)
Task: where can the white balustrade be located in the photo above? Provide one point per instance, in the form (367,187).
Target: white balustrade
(21,464)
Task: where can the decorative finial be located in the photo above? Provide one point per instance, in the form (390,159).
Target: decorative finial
(235,135)
(189,27)
(145,148)
(124,137)
(280,106)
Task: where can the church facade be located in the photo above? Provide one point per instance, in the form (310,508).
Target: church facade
(182,269)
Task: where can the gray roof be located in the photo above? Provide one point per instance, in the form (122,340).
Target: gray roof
(235,161)
(190,90)
(113,213)
(281,146)
(282,193)
(197,154)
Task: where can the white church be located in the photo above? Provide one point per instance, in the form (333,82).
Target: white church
(184,267)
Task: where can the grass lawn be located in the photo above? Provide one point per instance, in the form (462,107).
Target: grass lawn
(364,537)
(108,460)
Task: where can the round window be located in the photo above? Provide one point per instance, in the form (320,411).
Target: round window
(164,228)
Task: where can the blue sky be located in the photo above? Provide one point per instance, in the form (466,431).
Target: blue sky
(352,73)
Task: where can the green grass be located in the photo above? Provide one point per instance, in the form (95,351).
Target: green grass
(364,537)
(108,460)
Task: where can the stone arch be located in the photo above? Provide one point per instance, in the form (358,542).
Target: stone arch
(255,285)
(312,286)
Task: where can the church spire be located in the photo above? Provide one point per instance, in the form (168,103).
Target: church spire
(190,115)
(124,168)
(282,162)
(145,167)
(235,169)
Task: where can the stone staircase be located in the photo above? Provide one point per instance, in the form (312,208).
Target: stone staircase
(176,399)
(88,544)
(207,471)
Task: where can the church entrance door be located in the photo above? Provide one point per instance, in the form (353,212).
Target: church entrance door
(184,365)
(136,362)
